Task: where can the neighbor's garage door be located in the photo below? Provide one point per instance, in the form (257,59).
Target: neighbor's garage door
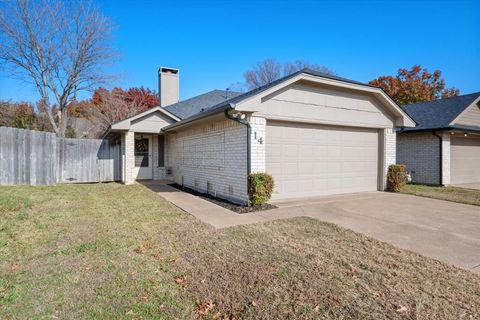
(309,160)
(465,160)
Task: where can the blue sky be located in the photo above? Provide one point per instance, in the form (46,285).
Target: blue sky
(213,43)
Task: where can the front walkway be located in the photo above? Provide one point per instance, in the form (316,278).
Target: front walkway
(203,210)
(443,230)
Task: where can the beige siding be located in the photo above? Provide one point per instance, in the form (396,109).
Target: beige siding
(211,157)
(304,103)
(470,117)
(465,160)
(311,160)
(153,123)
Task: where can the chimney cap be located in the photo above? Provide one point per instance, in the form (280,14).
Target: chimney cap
(168,70)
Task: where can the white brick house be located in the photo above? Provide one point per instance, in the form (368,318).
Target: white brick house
(444,148)
(316,134)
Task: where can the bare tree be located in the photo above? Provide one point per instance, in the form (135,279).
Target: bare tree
(58,46)
(263,72)
(269,70)
(110,107)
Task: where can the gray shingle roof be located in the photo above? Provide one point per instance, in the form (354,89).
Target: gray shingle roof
(438,114)
(194,105)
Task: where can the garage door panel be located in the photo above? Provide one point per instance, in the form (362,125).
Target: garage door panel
(465,160)
(309,160)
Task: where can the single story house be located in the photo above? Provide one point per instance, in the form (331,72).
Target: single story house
(315,133)
(444,148)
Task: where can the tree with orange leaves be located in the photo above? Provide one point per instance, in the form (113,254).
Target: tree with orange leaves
(415,85)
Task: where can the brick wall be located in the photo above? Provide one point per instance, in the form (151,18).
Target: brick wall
(258,141)
(211,157)
(421,154)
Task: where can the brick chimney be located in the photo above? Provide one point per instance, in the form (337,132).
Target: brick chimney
(168,86)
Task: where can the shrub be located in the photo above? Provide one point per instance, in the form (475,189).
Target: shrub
(396,177)
(260,187)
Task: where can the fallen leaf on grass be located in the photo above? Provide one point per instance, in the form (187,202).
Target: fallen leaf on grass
(14,267)
(179,279)
(204,308)
(401,308)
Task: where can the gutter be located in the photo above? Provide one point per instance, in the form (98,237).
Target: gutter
(440,162)
(450,128)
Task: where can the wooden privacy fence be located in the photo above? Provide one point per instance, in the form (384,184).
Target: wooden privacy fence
(40,158)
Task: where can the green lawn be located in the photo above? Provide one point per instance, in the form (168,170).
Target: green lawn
(455,194)
(113,251)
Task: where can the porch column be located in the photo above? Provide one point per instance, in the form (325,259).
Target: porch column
(257,143)
(389,151)
(128,157)
(445,158)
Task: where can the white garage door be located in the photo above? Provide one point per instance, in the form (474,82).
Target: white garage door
(465,160)
(309,160)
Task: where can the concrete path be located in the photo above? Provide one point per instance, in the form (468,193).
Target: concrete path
(446,231)
(203,210)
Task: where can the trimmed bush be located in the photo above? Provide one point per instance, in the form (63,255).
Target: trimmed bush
(260,188)
(396,177)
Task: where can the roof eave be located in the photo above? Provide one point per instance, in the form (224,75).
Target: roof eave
(198,116)
(448,128)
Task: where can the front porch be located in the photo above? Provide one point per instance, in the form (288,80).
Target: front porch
(143,157)
(143,145)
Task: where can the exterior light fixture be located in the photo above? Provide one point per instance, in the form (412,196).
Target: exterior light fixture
(465,134)
(237,114)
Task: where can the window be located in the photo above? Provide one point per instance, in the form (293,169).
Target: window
(141,152)
(161,151)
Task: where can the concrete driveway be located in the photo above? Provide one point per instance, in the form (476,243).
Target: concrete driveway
(475,185)
(446,231)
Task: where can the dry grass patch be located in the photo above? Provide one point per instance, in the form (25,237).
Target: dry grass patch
(113,251)
(455,194)
(302,268)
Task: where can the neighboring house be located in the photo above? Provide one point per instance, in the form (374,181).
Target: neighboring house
(444,148)
(317,134)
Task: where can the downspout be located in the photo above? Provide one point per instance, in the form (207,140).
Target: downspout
(440,169)
(249,131)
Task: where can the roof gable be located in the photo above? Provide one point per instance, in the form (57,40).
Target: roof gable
(440,113)
(470,116)
(401,118)
(306,76)
(127,123)
(309,102)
